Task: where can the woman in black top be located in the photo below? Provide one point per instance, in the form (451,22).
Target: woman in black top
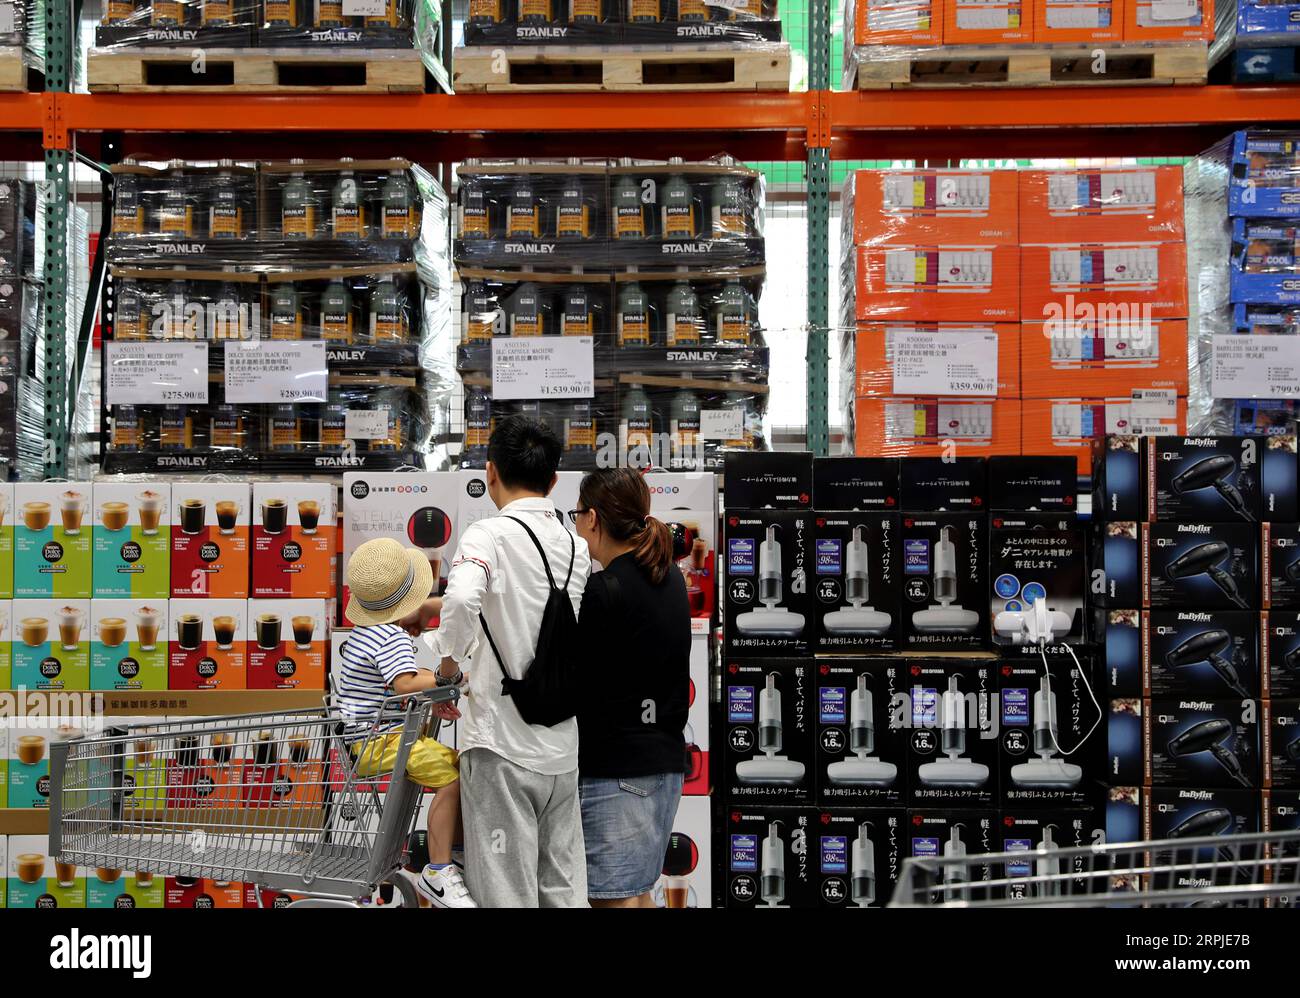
(635,629)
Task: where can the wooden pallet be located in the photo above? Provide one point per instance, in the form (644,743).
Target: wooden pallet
(1032,66)
(162,70)
(522,69)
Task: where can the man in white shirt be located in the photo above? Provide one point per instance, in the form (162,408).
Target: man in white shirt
(523,823)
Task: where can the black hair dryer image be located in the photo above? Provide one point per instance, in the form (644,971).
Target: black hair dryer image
(1214,473)
(1209,646)
(1208,736)
(1204,559)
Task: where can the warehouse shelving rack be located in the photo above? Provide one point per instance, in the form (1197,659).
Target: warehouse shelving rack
(817,127)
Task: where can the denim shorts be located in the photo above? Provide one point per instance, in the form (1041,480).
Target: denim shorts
(626,823)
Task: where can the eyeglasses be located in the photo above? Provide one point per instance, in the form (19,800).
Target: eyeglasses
(575,513)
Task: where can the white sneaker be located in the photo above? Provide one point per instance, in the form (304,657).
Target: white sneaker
(444,888)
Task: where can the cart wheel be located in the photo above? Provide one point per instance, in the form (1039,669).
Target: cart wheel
(410,898)
(322,903)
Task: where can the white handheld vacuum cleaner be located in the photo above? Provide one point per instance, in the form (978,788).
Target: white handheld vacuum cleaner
(945,618)
(770,619)
(857,620)
(864,769)
(953,771)
(1046,771)
(771,767)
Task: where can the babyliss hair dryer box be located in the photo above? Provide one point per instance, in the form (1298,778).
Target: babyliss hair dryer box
(1051,737)
(1117,636)
(857,573)
(1191,812)
(1212,566)
(1118,478)
(1279,652)
(1282,744)
(1115,564)
(857,854)
(1282,812)
(861,747)
(960,834)
(945,572)
(1280,568)
(949,717)
(1035,831)
(1215,479)
(1210,654)
(767,604)
(1036,564)
(1123,814)
(767,745)
(767,859)
(1202,743)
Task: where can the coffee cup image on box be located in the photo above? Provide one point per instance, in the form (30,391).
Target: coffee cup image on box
(771,768)
(770,618)
(858,619)
(131,548)
(128,648)
(52,542)
(864,769)
(51,650)
(947,616)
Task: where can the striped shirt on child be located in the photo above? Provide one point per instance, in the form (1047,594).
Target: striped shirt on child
(372,658)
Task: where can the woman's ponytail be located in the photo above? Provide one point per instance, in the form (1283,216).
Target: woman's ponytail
(621,499)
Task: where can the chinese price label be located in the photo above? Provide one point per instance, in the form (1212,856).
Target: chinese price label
(926,363)
(542,367)
(153,372)
(1255,367)
(263,372)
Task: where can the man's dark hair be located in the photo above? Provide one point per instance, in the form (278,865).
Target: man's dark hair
(525,453)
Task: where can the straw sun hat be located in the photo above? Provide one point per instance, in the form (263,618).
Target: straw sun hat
(386,582)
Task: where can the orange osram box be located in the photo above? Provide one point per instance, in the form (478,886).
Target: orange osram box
(976,22)
(1103,357)
(1168,20)
(875,353)
(1078,20)
(1140,281)
(1069,425)
(948,283)
(935,206)
(1102,204)
(897,22)
(936,427)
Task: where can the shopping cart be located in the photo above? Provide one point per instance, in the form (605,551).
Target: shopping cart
(1210,871)
(295,801)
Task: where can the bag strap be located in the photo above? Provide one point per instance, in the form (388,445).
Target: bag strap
(573,553)
(492,644)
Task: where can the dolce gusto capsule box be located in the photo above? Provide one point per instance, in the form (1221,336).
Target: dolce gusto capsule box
(768,608)
(950,719)
(857,568)
(52,540)
(29,757)
(7,515)
(51,646)
(294,534)
(208,644)
(287,644)
(945,600)
(112,887)
(128,644)
(857,855)
(210,530)
(860,743)
(36,879)
(6,647)
(132,547)
(767,742)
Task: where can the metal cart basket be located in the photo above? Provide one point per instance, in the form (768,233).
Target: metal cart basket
(295,801)
(1213,871)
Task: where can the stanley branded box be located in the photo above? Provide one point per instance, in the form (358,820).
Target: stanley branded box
(294,533)
(51,646)
(52,540)
(1101,204)
(208,638)
(287,643)
(128,648)
(210,540)
(131,540)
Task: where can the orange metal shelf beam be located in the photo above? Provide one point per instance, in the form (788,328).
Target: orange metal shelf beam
(22,112)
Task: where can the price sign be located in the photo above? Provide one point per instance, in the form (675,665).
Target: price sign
(154,372)
(721,424)
(266,372)
(365,8)
(1152,410)
(926,363)
(365,424)
(542,367)
(1255,367)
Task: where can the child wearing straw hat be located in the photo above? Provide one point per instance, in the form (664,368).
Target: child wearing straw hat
(386,582)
